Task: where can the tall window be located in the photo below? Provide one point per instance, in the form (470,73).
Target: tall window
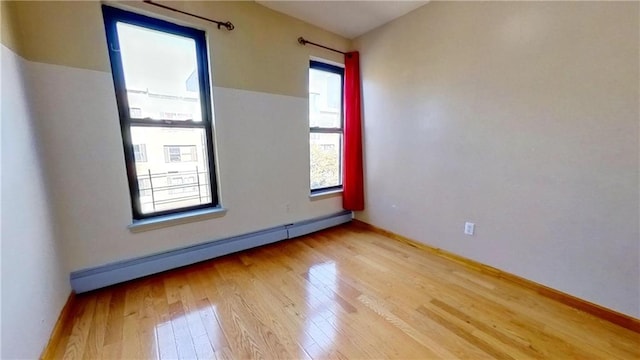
(325,126)
(161,80)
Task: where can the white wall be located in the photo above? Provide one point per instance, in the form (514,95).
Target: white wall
(261,149)
(34,283)
(521,117)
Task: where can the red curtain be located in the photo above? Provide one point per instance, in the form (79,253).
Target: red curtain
(352,183)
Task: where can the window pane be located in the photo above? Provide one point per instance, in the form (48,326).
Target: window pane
(325,160)
(175,173)
(180,153)
(161,74)
(325,99)
(140,152)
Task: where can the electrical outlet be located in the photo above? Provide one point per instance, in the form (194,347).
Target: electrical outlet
(469,228)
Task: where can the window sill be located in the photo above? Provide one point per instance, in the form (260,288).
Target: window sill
(325,194)
(176,219)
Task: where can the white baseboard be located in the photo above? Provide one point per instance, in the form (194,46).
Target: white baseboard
(121,271)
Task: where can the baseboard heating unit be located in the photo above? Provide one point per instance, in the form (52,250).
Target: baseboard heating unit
(98,277)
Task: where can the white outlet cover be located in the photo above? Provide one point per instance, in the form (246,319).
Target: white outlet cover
(469,228)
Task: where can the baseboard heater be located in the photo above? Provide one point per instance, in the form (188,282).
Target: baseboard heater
(121,271)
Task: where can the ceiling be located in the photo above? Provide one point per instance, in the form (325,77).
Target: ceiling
(347,18)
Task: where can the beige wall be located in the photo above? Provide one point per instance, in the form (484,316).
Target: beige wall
(261,54)
(521,117)
(8,31)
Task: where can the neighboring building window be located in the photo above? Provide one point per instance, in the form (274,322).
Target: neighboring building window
(180,153)
(327,147)
(145,187)
(325,126)
(182,184)
(135,112)
(140,152)
(160,74)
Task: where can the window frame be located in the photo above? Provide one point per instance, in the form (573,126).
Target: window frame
(322,66)
(112,16)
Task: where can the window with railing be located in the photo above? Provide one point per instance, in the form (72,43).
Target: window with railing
(160,74)
(161,191)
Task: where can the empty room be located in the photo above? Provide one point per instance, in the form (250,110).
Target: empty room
(320,179)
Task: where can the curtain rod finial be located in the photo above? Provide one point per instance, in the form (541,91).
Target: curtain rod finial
(227,24)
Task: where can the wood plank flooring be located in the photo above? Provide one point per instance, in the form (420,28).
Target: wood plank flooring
(342,293)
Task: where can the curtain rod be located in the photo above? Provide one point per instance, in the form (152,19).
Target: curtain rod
(303,41)
(227,24)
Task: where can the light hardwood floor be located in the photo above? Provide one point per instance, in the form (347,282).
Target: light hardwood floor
(342,293)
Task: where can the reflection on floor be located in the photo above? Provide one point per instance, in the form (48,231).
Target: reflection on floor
(341,293)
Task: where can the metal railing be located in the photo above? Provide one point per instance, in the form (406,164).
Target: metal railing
(159,188)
